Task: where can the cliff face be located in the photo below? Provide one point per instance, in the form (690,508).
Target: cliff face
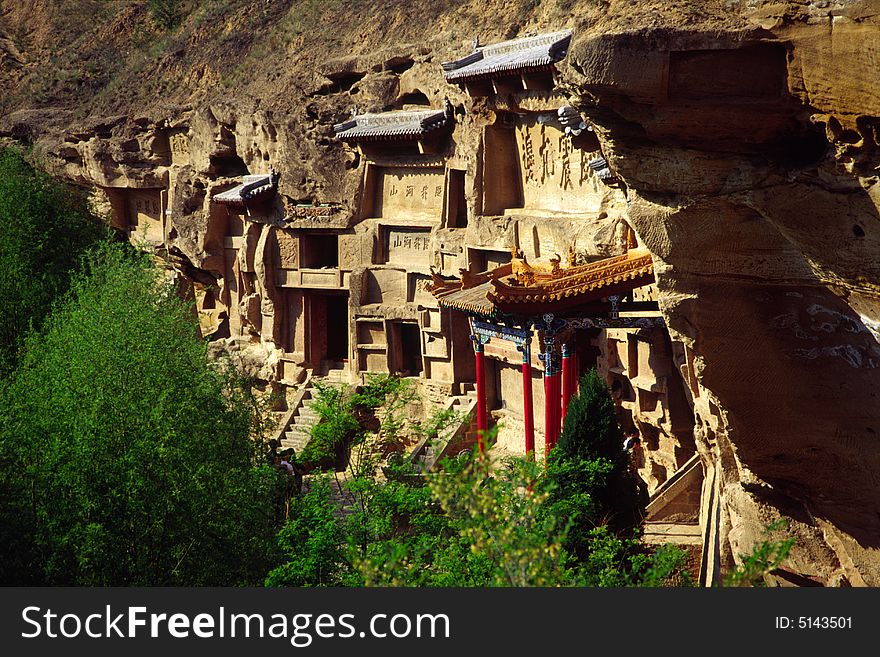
(751,161)
(745,134)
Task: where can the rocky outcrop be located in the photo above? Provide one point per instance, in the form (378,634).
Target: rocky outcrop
(750,158)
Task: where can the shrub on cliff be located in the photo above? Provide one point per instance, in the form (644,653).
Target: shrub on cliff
(126,459)
(167,13)
(591,483)
(46,228)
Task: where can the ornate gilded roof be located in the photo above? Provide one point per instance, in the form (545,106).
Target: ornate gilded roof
(520,288)
(518,55)
(399,124)
(468,293)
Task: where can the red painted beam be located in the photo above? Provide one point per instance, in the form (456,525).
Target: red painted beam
(555,400)
(528,406)
(567,381)
(482,421)
(548,410)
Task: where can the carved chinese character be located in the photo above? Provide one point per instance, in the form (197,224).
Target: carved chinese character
(424,193)
(409,190)
(438,191)
(565,153)
(393,191)
(548,157)
(528,156)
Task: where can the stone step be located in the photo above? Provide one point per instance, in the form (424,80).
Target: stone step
(658,533)
(297,436)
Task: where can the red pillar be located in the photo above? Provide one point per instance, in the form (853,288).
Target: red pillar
(552,397)
(567,381)
(555,400)
(548,408)
(528,408)
(482,424)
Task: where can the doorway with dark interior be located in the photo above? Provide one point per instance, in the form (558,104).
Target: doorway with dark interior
(407,348)
(328,328)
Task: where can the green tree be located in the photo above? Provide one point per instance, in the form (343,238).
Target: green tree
(126,458)
(337,427)
(167,13)
(499,514)
(471,524)
(591,484)
(312,543)
(46,228)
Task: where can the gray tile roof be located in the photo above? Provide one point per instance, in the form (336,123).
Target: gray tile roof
(473,299)
(400,124)
(510,56)
(252,187)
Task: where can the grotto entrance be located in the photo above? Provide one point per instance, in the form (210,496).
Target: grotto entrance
(327,337)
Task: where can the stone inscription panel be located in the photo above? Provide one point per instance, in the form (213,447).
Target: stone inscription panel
(409,193)
(555,175)
(418,289)
(145,214)
(408,246)
(178,143)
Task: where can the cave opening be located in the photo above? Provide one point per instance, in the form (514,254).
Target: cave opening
(415,97)
(228,166)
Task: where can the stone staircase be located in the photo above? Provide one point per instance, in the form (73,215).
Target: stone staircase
(672,515)
(298,432)
(427,453)
(342,500)
(295,426)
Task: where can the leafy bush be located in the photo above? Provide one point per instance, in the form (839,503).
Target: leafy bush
(312,543)
(126,459)
(591,483)
(765,557)
(336,428)
(476,526)
(167,13)
(46,229)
